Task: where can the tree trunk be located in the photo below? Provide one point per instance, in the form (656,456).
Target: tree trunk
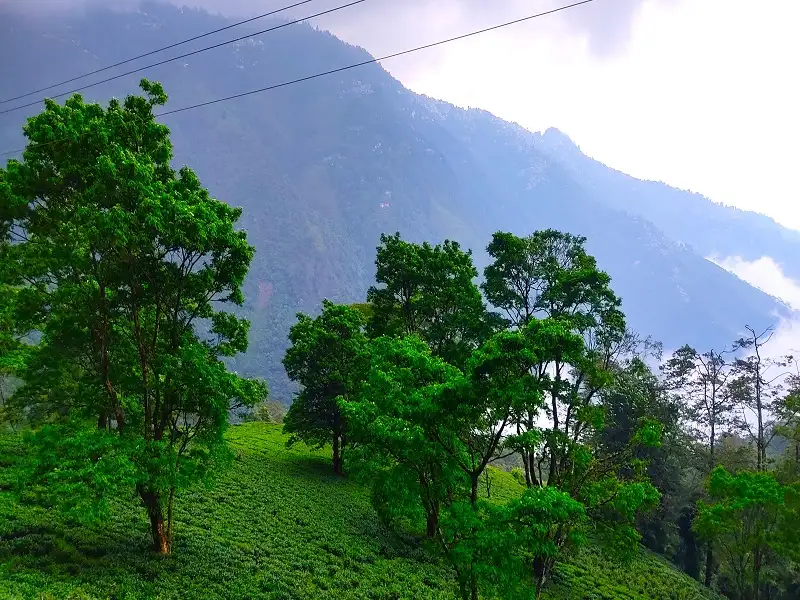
(757,575)
(541,569)
(170,504)
(161,542)
(712,448)
(797,455)
(709,565)
(337,454)
(431,521)
(527,467)
(473,494)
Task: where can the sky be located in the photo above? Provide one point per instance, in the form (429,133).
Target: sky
(700,94)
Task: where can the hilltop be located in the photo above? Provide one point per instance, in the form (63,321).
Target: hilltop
(277,524)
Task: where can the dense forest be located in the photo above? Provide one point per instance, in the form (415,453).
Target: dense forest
(510,438)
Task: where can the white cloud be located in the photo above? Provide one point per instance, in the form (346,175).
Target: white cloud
(765,274)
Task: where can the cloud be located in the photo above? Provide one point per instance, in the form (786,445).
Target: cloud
(767,275)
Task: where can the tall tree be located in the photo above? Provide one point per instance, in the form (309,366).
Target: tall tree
(757,388)
(427,431)
(394,421)
(701,383)
(328,358)
(638,394)
(124,261)
(550,274)
(789,415)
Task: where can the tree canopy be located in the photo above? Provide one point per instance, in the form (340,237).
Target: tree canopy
(328,358)
(120,264)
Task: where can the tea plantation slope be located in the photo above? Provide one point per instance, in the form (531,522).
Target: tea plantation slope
(275,525)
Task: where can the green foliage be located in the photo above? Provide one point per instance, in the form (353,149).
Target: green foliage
(427,423)
(638,398)
(549,273)
(511,537)
(744,519)
(429,290)
(392,420)
(124,262)
(80,469)
(426,431)
(277,524)
(329,359)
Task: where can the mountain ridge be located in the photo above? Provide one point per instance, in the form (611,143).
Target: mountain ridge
(323,167)
(677,211)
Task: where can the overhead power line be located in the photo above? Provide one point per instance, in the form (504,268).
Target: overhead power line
(146,54)
(352,66)
(194,52)
(374,60)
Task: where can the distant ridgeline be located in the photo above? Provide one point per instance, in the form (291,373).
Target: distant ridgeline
(322,168)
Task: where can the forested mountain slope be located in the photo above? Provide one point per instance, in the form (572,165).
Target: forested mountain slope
(321,168)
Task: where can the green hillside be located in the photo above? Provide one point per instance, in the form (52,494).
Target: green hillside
(276,524)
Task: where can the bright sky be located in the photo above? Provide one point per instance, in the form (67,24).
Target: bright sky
(701,94)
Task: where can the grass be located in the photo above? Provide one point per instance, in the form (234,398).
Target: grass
(589,576)
(276,525)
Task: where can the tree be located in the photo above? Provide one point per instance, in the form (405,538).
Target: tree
(429,291)
(637,394)
(789,415)
(550,274)
(743,518)
(427,431)
(757,389)
(271,411)
(123,262)
(13,348)
(701,382)
(393,420)
(328,358)
(494,547)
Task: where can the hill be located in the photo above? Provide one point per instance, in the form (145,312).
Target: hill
(276,525)
(323,167)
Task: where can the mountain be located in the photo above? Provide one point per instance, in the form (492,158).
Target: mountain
(321,168)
